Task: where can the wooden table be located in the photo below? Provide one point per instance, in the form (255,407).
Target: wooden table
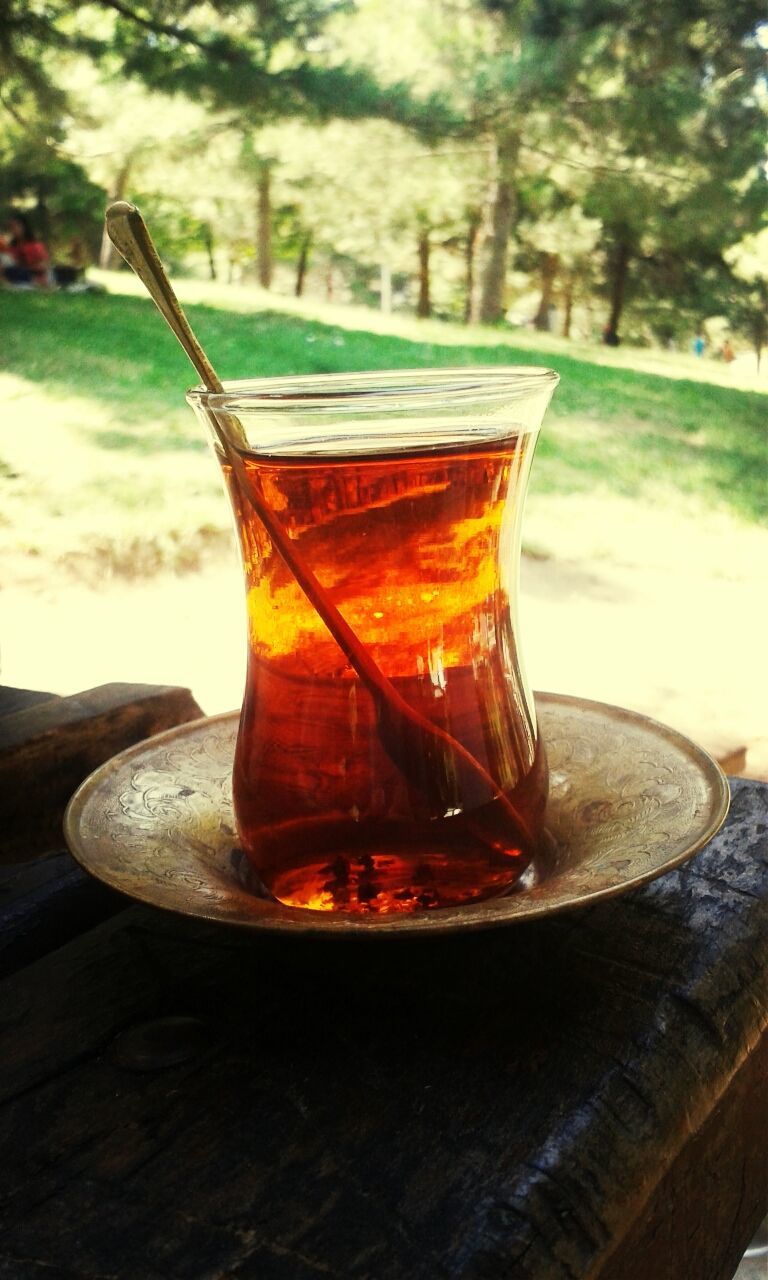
(576,1098)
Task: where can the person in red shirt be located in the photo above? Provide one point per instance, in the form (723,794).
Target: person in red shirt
(25,258)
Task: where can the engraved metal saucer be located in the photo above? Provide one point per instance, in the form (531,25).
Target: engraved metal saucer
(629,800)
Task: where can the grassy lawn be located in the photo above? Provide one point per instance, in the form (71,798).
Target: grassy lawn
(102,463)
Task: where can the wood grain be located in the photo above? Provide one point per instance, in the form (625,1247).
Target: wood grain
(45,903)
(14,699)
(711,1199)
(514,1104)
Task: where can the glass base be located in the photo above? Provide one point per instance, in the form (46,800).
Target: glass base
(384,868)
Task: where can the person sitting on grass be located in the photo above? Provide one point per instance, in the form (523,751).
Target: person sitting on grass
(24,257)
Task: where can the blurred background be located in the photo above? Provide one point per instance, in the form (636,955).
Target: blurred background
(337,186)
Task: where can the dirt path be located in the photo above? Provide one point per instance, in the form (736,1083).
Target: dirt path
(678,641)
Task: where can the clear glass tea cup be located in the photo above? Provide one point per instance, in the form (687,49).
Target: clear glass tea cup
(388,758)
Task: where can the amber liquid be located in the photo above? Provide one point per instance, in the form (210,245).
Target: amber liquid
(341,804)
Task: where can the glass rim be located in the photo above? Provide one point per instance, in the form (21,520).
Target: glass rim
(395,390)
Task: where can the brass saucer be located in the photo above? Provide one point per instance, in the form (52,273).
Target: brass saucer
(629,800)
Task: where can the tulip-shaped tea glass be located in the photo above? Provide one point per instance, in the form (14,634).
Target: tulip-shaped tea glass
(388,758)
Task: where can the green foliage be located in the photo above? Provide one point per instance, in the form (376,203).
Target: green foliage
(27,37)
(647,120)
(747,297)
(663,103)
(748,313)
(256,58)
(36,174)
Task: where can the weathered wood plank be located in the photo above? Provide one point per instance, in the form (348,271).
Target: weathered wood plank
(707,1204)
(731,757)
(13,699)
(44,904)
(503,1105)
(47,749)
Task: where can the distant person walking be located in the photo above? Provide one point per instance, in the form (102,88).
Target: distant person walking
(25,258)
(728,353)
(699,345)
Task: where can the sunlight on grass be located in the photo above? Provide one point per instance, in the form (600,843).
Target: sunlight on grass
(73,505)
(102,381)
(248,299)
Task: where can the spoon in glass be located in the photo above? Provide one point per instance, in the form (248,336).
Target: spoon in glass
(427,755)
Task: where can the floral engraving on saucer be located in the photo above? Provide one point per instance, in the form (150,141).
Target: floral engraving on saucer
(629,799)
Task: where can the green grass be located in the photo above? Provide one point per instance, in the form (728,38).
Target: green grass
(610,429)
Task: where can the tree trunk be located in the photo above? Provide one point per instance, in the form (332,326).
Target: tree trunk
(760,327)
(41,219)
(109,258)
(302,264)
(264,232)
(549,265)
(497,230)
(424,305)
(568,292)
(470,249)
(208,242)
(385,280)
(619,271)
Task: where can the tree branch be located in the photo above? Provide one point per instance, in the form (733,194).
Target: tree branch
(183,34)
(625,172)
(14,114)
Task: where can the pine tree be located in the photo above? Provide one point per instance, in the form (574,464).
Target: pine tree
(659,98)
(264,61)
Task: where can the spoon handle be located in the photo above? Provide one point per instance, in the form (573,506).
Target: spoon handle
(128,233)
